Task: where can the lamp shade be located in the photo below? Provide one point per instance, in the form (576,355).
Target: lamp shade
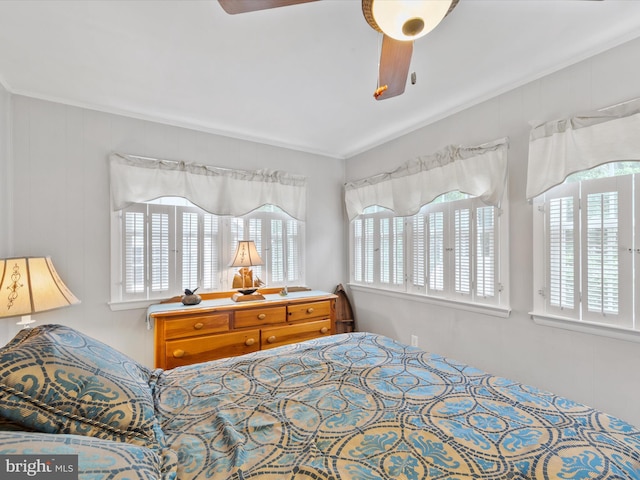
(246,255)
(30,285)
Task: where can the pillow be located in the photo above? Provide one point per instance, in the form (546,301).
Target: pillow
(97,459)
(54,379)
(6,424)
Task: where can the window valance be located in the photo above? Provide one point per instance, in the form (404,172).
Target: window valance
(479,170)
(220,191)
(562,147)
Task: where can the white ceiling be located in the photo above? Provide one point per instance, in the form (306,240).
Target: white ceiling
(302,76)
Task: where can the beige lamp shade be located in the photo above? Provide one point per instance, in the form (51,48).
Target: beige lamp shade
(246,255)
(31,285)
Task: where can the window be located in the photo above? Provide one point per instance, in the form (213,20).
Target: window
(168,245)
(378,239)
(449,250)
(588,247)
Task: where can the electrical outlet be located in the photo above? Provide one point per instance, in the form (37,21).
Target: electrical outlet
(414,340)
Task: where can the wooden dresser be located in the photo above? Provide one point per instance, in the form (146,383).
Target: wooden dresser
(219,327)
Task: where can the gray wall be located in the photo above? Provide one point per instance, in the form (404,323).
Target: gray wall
(5,177)
(61,204)
(598,371)
(5,186)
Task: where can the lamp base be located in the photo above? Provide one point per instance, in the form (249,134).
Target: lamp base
(240,297)
(26,321)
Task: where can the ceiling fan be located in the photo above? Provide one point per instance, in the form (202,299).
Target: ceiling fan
(400,22)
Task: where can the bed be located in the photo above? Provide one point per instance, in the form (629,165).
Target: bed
(349,406)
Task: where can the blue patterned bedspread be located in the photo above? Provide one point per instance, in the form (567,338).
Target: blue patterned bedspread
(362,406)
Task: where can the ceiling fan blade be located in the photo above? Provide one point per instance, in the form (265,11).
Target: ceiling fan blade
(244,6)
(395,60)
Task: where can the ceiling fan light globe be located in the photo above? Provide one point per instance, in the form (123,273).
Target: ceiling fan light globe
(392,16)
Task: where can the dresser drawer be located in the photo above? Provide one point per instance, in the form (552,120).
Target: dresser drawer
(256,317)
(212,347)
(303,311)
(276,336)
(196,325)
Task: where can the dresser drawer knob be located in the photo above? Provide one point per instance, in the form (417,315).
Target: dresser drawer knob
(178,353)
(198,325)
(262,316)
(249,341)
(324,330)
(271,339)
(310,310)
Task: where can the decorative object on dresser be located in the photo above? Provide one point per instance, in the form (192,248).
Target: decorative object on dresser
(220,327)
(246,256)
(190,297)
(32,285)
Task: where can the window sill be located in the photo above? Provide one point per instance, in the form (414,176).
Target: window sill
(600,329)
(493,310)
(131,304)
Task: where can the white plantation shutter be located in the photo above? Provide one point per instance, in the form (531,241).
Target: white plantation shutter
(462,251)
(418,260)
(602,253)
(161,245)
(436,252)
(588,277)
(293,252)
(563,247)
(397,251)
(378,250)
(211,252)
(189,241)
(632,255)
(134,261)
(368,250)
(169,246)
(606,238)
(237,234)
(357,253)
(146,267)
(279,241)
(277,251)
(486,258)
(589,250)
(384,249)
(254,227)
(391,251)
(237,231)
(447,250)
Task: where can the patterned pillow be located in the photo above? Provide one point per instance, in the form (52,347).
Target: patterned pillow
(97,459)
(54,379)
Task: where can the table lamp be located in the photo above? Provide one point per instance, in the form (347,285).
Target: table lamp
(31,285)
(246,256)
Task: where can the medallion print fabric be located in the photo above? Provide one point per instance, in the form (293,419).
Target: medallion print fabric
(54,379)
(350,406)
(97,459)
(362,406)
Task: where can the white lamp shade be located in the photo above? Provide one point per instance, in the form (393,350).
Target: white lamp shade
(246,255)
(30,285)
